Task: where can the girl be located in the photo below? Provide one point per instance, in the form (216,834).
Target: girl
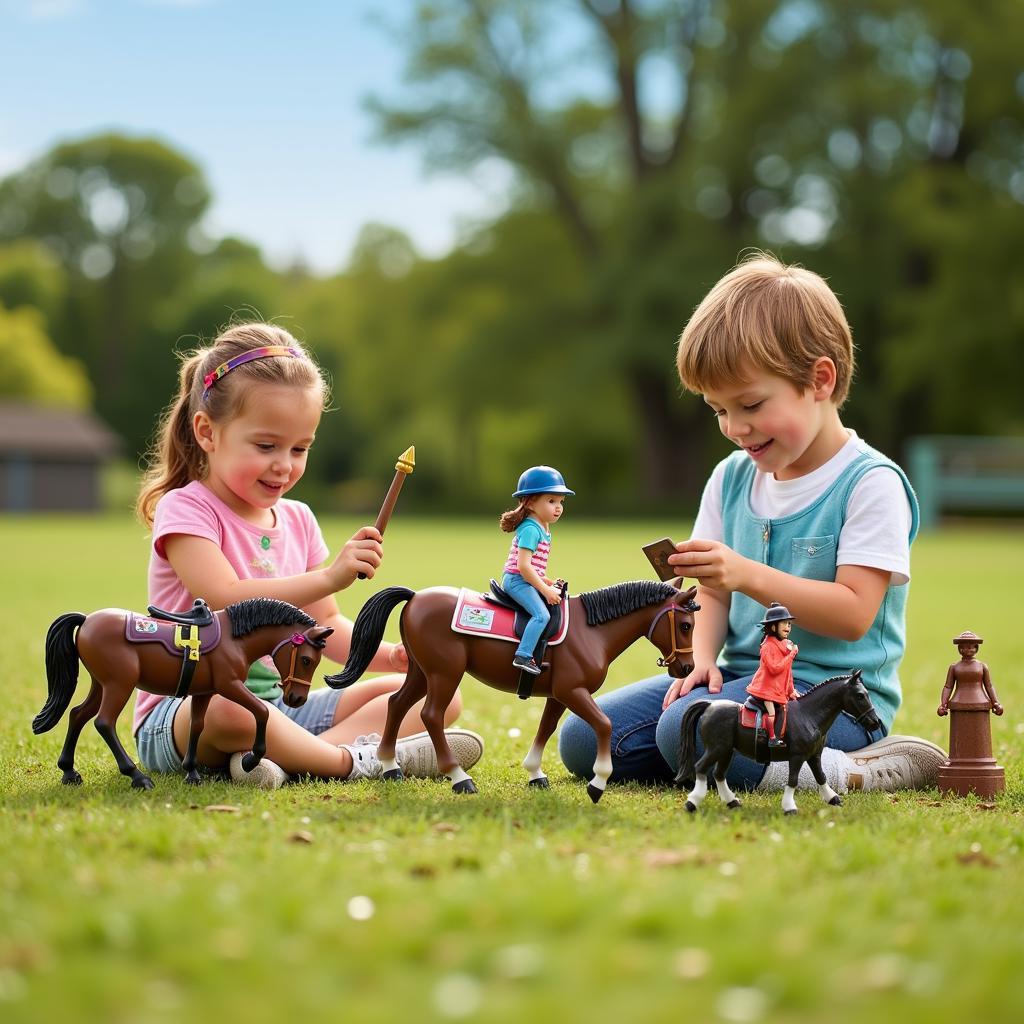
(231,445)
(541,492)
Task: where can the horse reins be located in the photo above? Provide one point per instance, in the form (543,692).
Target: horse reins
(670,610)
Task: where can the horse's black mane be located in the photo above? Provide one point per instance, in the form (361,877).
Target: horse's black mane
(831,679)
(252,614)
(612,602)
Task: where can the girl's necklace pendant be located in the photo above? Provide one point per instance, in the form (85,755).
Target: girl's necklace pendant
(264,542)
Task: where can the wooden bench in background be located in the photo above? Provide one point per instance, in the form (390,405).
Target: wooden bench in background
(966,474)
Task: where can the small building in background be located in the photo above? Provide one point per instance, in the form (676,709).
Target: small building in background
(51,459)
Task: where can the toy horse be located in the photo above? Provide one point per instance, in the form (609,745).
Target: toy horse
(602,624)
(808,721)
(199,654)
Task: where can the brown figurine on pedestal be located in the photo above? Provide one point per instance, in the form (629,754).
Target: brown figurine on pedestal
(970,767)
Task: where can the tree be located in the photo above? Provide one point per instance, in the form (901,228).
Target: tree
(865,139)
(31,368)
(120,216)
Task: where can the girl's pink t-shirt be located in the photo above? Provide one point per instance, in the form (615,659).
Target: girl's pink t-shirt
(292,546)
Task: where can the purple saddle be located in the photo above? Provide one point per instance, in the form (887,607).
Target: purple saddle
(186,641)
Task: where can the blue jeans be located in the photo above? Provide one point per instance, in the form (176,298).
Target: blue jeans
(529,597)
(645,739)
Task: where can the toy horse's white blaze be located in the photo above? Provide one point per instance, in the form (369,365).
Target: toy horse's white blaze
(532,762)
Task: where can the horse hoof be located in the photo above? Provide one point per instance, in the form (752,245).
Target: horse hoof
(690,807)
(541,783)
(249,761)
(733,804)
(465,786)
(192,778)
(72,778)
(836,801)
(594,793)
(787,813)
(393,775)
(142,782)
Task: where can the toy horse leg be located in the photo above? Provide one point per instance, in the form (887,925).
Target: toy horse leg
(581,703)
(700,784)
(76,722)
(235,690)
(552,712)
(111,705)
(440,691)
(727,796)
(788,801)
(197,720)
(828,794)
(399,703)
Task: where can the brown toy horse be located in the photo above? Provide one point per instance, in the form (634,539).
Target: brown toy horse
(602,624)
(240,634)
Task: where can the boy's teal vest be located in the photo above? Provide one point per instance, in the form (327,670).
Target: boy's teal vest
(805,544)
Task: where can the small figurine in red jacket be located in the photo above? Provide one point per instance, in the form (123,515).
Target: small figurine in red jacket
(773,681)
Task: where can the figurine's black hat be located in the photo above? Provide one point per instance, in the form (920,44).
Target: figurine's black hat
(777,613)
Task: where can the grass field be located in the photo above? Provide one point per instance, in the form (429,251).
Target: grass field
(410,904)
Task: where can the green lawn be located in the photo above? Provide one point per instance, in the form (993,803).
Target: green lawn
(411,904)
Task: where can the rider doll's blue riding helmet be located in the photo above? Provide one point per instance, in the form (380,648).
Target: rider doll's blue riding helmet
(541,480)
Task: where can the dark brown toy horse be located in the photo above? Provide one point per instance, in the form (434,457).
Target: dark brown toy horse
(247,631)
(602,624)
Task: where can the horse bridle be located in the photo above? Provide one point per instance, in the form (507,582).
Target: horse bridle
(670,610)
(296,640)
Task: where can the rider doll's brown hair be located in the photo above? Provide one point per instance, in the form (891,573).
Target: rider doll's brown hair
(175,458)
(511,520)
(766,315)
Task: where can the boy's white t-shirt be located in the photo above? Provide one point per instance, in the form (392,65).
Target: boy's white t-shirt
(876,532)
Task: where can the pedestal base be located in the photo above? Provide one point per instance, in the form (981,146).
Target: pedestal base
(984,778)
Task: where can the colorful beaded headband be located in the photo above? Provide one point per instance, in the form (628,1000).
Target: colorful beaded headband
(247,357)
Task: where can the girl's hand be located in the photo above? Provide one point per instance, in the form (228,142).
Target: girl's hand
(551,594)
(702,675)
(398,658)
(362,554)
(710,562)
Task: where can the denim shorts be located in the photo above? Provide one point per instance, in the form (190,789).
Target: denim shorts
(155,738)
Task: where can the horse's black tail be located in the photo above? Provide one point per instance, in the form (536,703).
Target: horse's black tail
(367,632)
(61,670)
(686,777)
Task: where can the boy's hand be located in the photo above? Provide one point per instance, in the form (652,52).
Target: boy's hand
(710,562)
(551,594)
(702,675)
(362,554)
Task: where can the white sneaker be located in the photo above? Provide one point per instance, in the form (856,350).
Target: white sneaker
(415,754)
(416,757)
(896,762)
(266,775)
(365,763)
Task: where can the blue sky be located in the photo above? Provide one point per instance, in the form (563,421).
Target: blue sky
(265,96)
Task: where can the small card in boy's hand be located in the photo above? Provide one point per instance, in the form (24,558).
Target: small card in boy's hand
(657,552)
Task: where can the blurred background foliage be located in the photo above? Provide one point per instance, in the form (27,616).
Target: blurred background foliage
(878,142)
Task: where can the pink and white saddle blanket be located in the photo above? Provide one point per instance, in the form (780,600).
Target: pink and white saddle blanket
(475,615)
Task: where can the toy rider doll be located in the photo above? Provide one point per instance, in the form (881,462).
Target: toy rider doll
(541,492)
(773,681)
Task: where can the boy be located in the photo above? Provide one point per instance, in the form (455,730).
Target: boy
(805,514)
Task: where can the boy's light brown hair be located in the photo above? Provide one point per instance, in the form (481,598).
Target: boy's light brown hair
(765,315)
